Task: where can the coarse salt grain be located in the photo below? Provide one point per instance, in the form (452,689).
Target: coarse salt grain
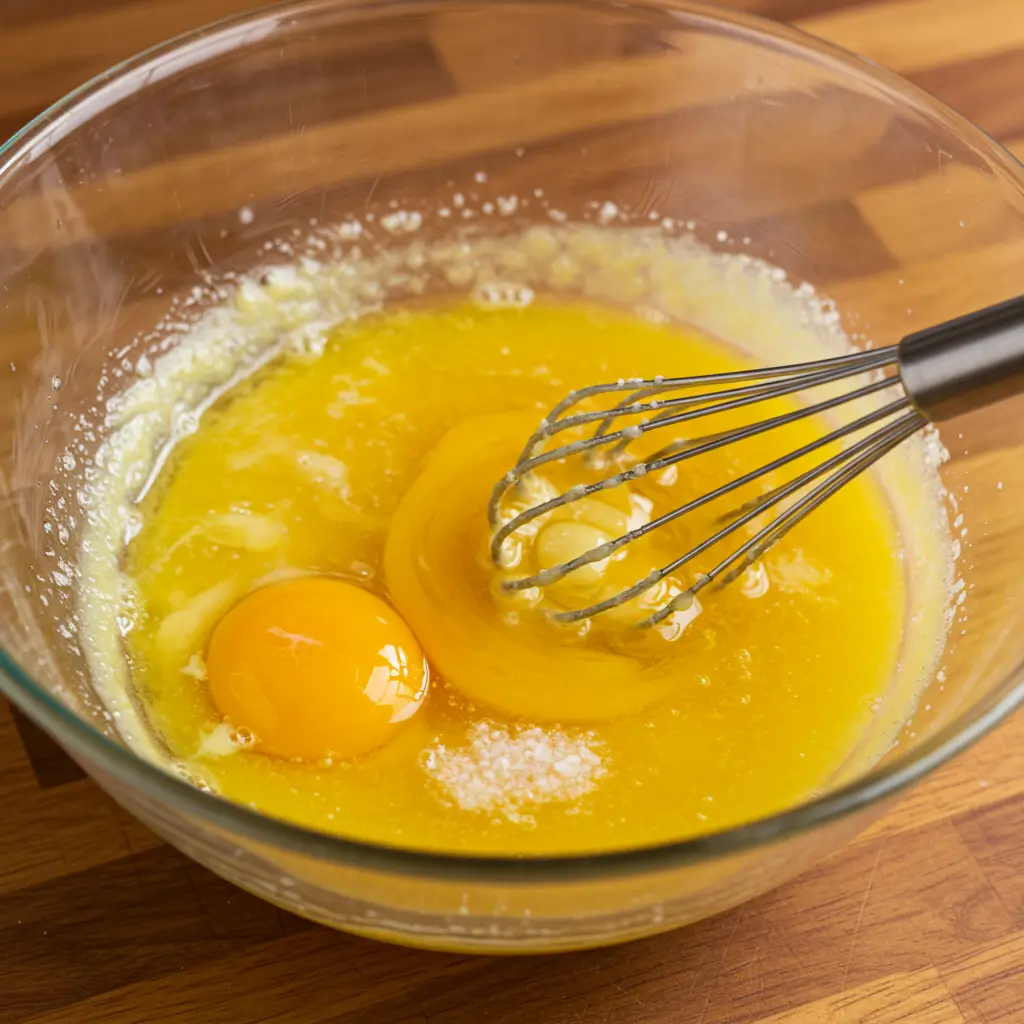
(510,771)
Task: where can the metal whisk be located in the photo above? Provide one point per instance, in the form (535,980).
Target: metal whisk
(940,373)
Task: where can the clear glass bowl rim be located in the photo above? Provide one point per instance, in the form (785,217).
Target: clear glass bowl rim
(128,769)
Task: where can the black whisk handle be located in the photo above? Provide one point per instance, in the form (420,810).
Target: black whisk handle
(966,363)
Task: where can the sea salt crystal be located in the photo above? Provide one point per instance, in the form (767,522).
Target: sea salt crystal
(508,771)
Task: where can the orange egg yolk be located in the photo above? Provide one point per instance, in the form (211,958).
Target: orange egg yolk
(524,666)
(315,668)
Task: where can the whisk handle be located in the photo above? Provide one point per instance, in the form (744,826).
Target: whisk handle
(966,363)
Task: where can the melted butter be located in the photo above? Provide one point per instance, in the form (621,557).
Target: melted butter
(754,704)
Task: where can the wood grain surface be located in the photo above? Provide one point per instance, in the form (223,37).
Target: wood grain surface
(919,921)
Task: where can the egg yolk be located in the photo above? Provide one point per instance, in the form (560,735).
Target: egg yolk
(315,668)
(439,574)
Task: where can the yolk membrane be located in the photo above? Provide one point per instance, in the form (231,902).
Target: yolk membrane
(315,668)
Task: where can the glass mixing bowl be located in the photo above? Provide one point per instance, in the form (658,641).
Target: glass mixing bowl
(201,156)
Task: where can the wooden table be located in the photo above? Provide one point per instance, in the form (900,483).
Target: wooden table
(920,921)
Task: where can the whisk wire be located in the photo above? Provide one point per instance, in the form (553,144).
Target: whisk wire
(695,448)
(863,453)
(871,450)
(802,376)
(557,572)
(831,371)
(529,460)
(855,362)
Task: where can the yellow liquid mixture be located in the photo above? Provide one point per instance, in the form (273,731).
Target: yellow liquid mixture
(372,463)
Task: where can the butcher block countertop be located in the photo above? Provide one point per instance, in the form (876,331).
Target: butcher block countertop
(920,920)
